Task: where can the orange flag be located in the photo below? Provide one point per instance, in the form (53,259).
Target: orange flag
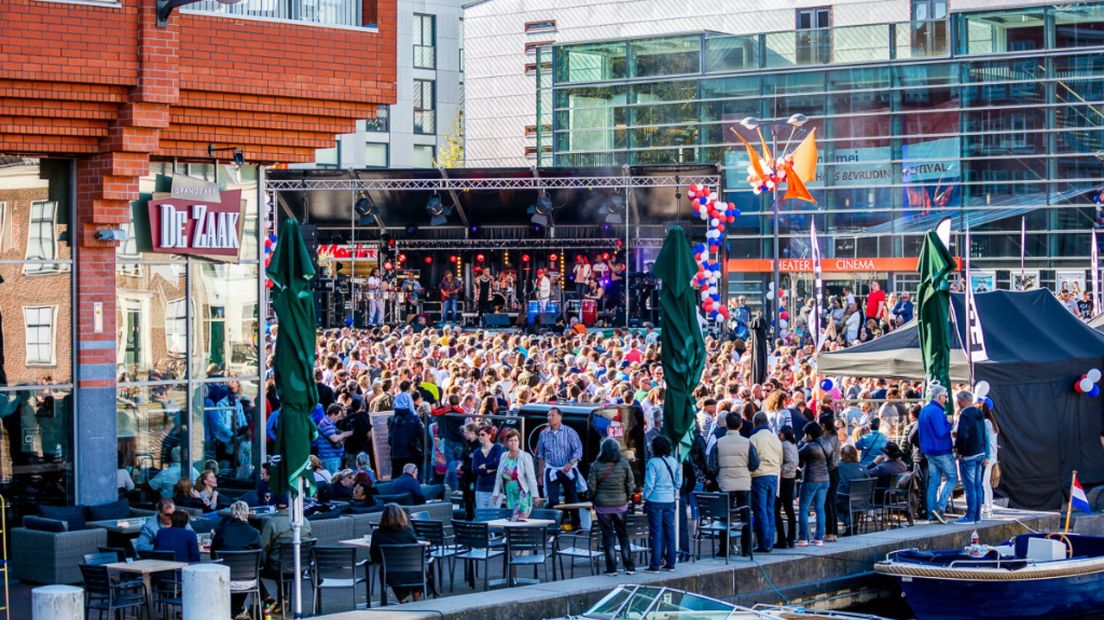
(805,157)
(751,155)
(795,188)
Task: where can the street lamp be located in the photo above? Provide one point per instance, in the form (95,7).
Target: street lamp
(165,8)
(795,122)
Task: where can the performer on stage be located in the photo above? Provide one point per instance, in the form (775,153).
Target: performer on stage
(614,298)
(581,273)
(411,294)
(483,292)
(375,298)
(508,290)
(450,292)
(544,289)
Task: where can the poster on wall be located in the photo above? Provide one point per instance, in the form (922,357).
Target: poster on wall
(1072,281)
(1027,281)
(983,281)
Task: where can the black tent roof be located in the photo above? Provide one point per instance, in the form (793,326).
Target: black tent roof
(1023,331)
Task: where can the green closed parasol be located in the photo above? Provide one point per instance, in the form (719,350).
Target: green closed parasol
(933,304)
(683,348)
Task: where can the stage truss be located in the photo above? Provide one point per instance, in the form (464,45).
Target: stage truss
(527,183)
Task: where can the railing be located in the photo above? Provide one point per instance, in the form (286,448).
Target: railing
(323,12)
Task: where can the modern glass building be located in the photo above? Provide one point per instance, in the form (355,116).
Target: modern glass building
(995,119)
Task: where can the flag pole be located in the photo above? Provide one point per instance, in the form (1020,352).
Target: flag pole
(297,542)
(1069,508)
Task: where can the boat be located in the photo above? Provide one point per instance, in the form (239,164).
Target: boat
(1055,575)
(644,602)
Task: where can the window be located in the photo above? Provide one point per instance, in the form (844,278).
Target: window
(531,47)
(382,121)
(41,245)
(424,155)
(425,37)
(327,158)
(375,155)
(531,151)
(544,25)
(814,39)
(460,43)
(39,324)
(929,27)
(176,327)
(531,68)
(531,130)
(5,227)
(425,105)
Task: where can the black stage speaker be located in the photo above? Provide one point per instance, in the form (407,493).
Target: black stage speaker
(496,320)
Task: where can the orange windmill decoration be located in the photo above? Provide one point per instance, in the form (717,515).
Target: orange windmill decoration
(792,169)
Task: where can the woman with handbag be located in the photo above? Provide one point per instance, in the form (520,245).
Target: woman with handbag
(611,482)
(991,464)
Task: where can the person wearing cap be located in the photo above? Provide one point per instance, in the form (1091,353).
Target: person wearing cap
(885,467)
(934,431)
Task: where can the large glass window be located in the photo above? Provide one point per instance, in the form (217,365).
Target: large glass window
(188,334)
(1015,30)
(425,41)
(36,327)
(424,155)
(425,107)
(814,39)
(666,56)
(376,155)
(591,62)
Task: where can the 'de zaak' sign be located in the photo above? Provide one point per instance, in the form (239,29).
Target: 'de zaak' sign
(207,224)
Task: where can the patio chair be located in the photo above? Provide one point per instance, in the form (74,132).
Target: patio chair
(441,547)
(104,593)
(337,568)
(404,566)
(585,544)
(245,573)
(525,546)
(474,541)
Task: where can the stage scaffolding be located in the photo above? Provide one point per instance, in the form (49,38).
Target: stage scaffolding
(447,182)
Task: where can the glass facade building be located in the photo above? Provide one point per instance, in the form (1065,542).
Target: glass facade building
(995,119)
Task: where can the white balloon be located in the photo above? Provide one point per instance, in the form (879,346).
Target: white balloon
(703,215)
(1094,375)
(713,196)
(1086,385)
(770,294)
(714,222)
(704,295)
(981,390)
(713,234)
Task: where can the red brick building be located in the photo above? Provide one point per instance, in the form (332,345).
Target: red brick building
(101,86)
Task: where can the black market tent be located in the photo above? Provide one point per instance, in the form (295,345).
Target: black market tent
(1034,351)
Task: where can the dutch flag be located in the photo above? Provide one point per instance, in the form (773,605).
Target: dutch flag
(1078,499)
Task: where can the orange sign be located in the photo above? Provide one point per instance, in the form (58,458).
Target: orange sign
(828,265)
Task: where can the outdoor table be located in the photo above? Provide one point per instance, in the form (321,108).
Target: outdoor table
(146,568)
(584,508)
(120,531)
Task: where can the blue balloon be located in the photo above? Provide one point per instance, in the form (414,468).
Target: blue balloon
(1095,391)
(826,385)
(704,200)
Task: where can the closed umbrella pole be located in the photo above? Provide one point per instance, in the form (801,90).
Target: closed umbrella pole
(291,271)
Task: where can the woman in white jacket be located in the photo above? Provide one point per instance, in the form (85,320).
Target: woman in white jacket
(516,481)
(991,432)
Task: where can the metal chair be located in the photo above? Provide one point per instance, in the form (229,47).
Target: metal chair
(474,541)
(100,558)
(585,544)
(105,594)
(637,526)
(525,546)
(553,531)
(287,568)
(120,553)
(337,568)
(153,554)
(245,573)
(715,512)
(441,547)
(897,499)
(490,514)
(860,502)
(404,566)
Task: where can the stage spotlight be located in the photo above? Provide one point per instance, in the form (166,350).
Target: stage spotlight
(553,258)
(364,206)
(605,255)
(613,209)
(479,258)
(474,230)
(388,266)
(402,258)
(536,230)
(539,212)
(411,230)
(438,211)
(429,260)
(525,258)
(453,258)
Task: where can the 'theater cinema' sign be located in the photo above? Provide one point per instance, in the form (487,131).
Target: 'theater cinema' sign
(201,225)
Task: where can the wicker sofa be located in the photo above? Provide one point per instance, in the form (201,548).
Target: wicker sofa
(52,557)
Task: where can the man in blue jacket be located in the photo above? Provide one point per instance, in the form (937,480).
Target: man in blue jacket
(935,444)
(972,447)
